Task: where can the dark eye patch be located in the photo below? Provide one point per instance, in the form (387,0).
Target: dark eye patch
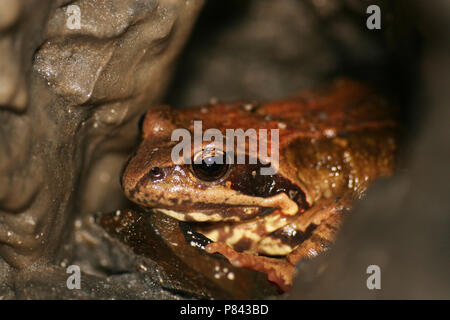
(246,178)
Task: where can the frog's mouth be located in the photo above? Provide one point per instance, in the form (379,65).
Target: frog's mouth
(248,208)
(221,213)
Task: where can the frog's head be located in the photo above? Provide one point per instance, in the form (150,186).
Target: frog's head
(202,191)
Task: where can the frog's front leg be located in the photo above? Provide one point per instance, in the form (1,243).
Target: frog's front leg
(312,232)
(279,270)
(246,236)
(232,240)
(320,240)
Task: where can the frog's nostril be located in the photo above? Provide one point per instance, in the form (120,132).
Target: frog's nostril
(156,173)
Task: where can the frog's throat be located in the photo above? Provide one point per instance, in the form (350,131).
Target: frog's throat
(281,200)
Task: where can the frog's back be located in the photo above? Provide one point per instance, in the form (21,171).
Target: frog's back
(346,138)
(343,106)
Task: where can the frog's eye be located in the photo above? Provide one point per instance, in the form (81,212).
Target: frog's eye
(210,165)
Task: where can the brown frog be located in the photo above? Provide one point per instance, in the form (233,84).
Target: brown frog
(333,143)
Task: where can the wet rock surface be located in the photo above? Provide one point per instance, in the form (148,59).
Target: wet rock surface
(70,101)
(180,262)
(130,254)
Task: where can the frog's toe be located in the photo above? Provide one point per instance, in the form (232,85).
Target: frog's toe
(279,271)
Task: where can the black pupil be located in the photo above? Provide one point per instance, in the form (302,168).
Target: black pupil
(209,169)
(156,173)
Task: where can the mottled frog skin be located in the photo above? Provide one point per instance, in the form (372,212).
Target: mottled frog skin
(333,142)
